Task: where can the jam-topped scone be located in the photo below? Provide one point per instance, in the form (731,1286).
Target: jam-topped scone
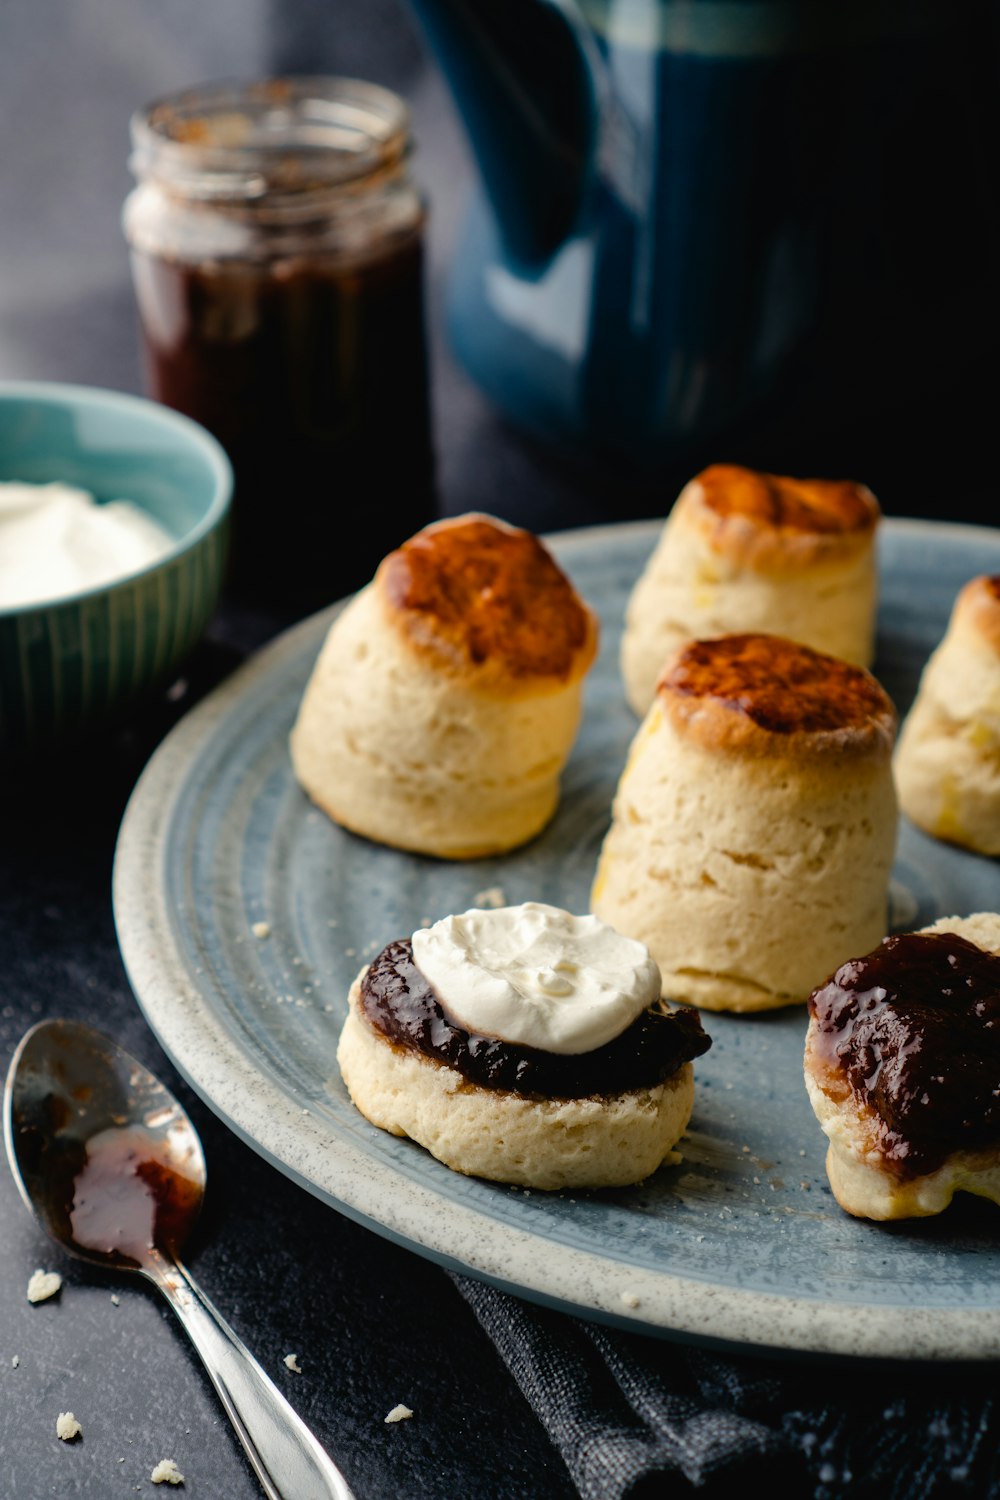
(754,825)
(524,1045)
(447,695)
(902,1067)
(948,758)
(745,551)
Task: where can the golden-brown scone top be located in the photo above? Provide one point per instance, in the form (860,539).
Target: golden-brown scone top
(762,694)
(487,600)
(773,522)
(978,605)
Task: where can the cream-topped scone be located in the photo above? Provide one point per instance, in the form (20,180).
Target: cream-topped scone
(948,759)
(902,1068)
(754,825)
(743,551)
(524,1045)
(447,695)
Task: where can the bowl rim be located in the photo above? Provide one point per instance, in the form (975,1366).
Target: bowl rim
(67,393)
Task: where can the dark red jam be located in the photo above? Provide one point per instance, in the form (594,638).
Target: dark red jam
(314,379)
(914,1028)
(400,1003)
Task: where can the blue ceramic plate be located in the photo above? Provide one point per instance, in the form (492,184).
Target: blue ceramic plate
(742,1244)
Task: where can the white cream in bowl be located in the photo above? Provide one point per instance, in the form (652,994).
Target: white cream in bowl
(56,541)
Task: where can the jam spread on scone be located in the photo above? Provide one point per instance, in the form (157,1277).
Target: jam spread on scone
(400,1003)
(912,1030)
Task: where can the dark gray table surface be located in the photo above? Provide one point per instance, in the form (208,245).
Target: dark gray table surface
(372,1325)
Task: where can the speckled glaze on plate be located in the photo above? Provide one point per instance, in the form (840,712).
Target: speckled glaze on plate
(742,1243)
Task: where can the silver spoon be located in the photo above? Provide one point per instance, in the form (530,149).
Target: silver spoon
(109,1163)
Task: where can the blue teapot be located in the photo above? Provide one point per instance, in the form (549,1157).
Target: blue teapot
(704,225)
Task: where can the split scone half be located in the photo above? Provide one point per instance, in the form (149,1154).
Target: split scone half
(948,758)
(523,1045)
(902,1067)
(447,695)
(754,825)
(752,552)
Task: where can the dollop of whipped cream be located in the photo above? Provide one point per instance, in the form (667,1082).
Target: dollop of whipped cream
(537,976)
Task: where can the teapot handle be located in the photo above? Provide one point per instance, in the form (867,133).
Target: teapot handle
(525,75)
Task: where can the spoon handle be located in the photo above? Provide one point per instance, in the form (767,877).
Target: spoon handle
(286,1458)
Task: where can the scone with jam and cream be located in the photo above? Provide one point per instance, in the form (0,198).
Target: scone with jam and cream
(447,695)
(902,1067)
(746,551)
(525,1045)
(947,763)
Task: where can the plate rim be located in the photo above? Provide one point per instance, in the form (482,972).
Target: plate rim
(373,1194)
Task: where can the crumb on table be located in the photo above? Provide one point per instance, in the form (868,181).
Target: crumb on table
(167,1472)
(399,1414)
(67,1427)
(43,1284)
(292,1361)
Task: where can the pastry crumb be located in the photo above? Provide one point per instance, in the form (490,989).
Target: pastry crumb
(630,1299)
(167,1472)
(261,929)
(43,1284)
(492,897)
(15,1361)
(399,1414)
(292,1361)
(67,1427)
(115,1299)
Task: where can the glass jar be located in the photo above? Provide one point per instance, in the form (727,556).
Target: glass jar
(276,246)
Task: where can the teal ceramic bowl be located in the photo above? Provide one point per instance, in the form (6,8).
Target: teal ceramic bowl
(74,664)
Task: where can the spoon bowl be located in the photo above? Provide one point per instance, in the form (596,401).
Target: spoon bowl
(102,1152)
(110,1164)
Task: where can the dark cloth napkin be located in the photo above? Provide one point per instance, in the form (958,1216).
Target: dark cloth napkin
(636,1417)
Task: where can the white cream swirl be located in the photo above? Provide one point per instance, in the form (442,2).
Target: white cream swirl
(537,976)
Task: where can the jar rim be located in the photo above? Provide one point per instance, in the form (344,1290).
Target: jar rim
(284,135)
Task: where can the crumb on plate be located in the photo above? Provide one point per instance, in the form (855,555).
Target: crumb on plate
(493,896)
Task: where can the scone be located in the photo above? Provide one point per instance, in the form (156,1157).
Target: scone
(762,553)
(948,758)
(447,695)
(754,825)
(524,1045)
(902,1067)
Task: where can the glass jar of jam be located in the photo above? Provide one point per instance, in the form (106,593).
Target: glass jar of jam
(276,246)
